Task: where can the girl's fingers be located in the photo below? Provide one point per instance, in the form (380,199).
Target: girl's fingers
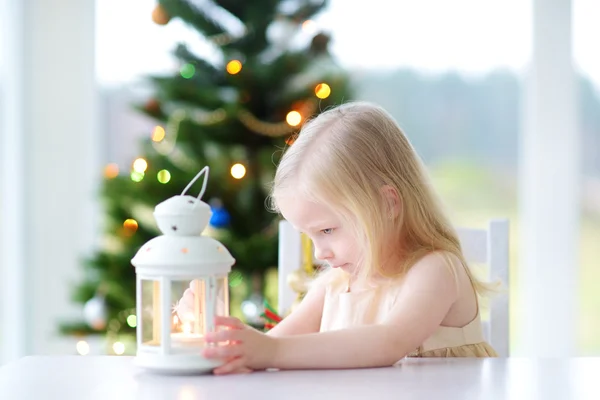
(235,366)
(230,322)
(232,336)
(224,352)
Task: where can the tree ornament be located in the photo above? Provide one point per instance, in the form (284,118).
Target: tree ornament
(160,15)
(252,309)
(320,43)
(270,316)
(111,171)
(152,106)
(301,279)
(95,312)
(220,217)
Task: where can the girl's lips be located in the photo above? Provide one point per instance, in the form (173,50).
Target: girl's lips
(339,266)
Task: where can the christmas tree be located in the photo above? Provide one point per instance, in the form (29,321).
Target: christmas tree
(234,115)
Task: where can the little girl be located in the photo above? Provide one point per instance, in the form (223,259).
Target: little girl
(397,283)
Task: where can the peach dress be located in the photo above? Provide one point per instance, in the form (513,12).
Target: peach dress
(343,309)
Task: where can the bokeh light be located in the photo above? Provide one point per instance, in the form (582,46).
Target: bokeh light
(293,118)
(234,67)
(238,171)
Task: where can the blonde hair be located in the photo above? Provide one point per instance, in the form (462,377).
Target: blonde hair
(343,158)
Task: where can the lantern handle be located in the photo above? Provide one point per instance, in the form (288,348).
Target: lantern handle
(203,171)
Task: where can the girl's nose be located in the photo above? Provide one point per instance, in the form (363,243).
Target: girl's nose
(323,253)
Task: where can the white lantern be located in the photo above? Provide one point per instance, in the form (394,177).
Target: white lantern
(181,279)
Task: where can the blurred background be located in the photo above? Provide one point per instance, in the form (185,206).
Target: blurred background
(95,94)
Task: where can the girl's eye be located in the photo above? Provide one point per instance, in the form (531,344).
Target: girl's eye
(327,231)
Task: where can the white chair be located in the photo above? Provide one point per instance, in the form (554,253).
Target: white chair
(491,247)
(480,246)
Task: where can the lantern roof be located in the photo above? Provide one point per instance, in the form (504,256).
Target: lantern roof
(182,249)
(180,255)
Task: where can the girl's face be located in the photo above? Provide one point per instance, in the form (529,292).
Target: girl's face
(334,240)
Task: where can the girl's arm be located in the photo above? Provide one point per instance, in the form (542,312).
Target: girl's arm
(306,318)
(428,292)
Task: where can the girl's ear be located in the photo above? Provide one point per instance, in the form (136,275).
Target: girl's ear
(392,201)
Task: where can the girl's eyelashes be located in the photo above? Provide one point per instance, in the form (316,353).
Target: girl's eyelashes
(327,231)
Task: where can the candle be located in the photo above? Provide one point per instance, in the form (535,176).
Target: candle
(186,337)
(182,339)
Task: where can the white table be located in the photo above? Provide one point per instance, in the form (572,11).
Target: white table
(115,378)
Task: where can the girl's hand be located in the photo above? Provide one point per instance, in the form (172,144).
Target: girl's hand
(243,347)
(230,367)
(185,305)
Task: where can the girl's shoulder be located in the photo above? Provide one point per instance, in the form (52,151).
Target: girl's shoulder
(437,262)
(430,268)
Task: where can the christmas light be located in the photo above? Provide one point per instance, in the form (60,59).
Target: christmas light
(111,171)
(83,348)
(309,26)
(187,71)
(165,147)
(234,67)
(293,118)
(118,348)
(238,171)
(114,326)
(163,176)
(322,90)
(137,176)
(235,278)
(132,320)
(130,225)
(158,133)
(140,165)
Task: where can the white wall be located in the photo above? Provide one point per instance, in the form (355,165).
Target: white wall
(49,166)
(14,328)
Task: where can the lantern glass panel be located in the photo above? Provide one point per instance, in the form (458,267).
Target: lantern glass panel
(151,312)
(188,321)
(196,303)
(223,296)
